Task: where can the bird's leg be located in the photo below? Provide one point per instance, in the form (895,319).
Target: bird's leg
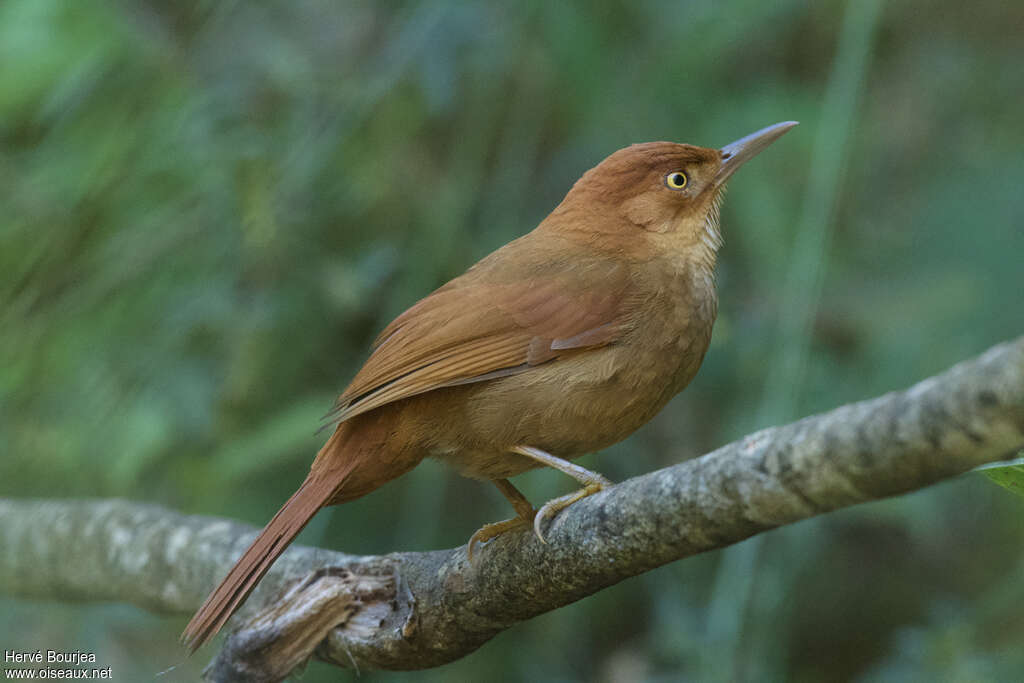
(523,507)
(524,515)
(592,483)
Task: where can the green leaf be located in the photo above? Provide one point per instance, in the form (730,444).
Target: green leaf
(1010,477)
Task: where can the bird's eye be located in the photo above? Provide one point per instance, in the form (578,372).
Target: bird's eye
(676,180)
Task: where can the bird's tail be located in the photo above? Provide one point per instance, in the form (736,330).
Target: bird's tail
(314,493)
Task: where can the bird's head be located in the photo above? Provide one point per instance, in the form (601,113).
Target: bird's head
(662,188)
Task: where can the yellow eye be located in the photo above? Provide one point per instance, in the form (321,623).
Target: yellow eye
(676,180)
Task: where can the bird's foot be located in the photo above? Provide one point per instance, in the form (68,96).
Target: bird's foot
(556,505)
(495,529)
(592,483)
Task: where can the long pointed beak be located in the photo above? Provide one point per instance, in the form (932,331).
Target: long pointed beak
(737,153)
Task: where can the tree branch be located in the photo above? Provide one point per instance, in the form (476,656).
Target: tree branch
(418,610)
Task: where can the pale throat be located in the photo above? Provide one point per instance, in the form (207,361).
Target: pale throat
(712,236)
(709,240)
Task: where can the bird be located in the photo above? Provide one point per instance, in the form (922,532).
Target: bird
(558,344)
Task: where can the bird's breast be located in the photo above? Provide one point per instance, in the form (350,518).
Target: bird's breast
(585,401)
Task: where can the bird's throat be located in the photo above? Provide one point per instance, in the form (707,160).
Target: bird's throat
(704,251)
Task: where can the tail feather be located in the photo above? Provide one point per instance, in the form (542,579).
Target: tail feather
(254,563)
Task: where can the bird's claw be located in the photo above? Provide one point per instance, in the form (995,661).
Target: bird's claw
(493,530)
(556,505)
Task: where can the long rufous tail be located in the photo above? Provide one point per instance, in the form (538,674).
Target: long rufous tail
(314,493)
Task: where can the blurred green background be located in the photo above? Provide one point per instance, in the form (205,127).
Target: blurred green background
(209,209)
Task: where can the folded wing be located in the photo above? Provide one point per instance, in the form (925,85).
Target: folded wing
(479,328)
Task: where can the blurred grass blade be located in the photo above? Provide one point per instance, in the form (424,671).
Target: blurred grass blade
(732,620)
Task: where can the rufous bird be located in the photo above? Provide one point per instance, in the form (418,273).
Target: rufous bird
(558,344)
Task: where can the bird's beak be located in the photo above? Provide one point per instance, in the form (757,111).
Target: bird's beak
(737,153)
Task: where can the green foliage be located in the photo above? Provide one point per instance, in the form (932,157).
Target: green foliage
(208,210)
(1010,477)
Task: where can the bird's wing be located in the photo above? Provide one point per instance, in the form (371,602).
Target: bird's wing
(475,329)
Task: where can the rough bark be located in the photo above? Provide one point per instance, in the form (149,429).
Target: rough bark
(418,610)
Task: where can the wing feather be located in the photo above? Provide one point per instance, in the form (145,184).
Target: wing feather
(486,325)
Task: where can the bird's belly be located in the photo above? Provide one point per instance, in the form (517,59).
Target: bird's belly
(568,408)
